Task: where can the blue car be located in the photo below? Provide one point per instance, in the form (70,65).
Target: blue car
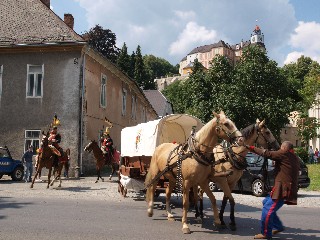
(9,166)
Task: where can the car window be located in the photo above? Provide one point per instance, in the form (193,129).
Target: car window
(3,153)
(255,160)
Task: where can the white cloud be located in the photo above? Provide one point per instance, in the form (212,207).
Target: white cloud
(185,15)
(193,33)
(171,29)
(305,41)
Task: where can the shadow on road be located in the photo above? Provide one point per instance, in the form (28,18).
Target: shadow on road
(6,202)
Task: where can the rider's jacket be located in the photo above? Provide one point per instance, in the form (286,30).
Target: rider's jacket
(55,139)
(107,144)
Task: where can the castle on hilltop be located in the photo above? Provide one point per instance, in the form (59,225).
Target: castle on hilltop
(206,53)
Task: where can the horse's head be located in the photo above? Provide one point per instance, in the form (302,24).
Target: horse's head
(89,148)
(45,139)
(265,137)
(226,129)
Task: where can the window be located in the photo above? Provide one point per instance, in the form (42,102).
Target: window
(32,137)
(1,70)
(143,115)
(216,51)
(124,102)
(34,81)
(133,107)
(103,91)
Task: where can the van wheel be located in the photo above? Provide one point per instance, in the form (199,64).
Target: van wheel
(17,174)
(1,176)
(258,188)
(213,187)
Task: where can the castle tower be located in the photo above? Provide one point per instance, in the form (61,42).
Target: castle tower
(257,36)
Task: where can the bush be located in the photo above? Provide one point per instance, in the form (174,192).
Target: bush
(302,153)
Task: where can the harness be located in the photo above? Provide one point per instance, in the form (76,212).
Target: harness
(189,150)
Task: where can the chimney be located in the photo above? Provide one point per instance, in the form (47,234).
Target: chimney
(69,20)
(46,2)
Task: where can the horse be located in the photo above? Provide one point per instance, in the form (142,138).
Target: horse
(195,157)
(63,162)
(230,165)
(45,158)
(101,161)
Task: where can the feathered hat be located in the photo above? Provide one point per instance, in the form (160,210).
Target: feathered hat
(55,121)
(107,131)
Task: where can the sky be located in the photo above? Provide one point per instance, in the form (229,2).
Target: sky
(170,29)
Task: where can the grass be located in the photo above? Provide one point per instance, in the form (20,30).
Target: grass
(314,175)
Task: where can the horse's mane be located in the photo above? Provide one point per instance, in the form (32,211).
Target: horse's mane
(205,130)
(247,131)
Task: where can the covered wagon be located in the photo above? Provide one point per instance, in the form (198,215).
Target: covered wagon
(139,142)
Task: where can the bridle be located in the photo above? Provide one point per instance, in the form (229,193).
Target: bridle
(259,132)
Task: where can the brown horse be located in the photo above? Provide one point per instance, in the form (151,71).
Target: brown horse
(233,162)
(45,158)
(63,162)
(101,161)
(195,165)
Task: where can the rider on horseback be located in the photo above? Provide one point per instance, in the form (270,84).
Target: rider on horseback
(55,139)
(107,144)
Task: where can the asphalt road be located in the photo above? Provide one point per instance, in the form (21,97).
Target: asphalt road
(82,210)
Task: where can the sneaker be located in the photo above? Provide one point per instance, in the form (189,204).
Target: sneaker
(261,236)
(276,231)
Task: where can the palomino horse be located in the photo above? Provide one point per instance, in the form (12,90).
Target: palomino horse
(231,162)
(195,164)
(63,162)
(45,158)
(101,161)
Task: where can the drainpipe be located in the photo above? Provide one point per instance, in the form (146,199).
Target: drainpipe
(82,85)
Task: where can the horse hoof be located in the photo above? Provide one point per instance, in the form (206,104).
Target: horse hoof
(96,181)
(31,186)
(217,227)
(186,230)
(150,214)
(232,227)
(171,218)
(102,179)
(198,220)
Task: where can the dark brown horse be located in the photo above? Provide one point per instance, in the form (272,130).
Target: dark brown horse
(101,161)
(45,158)
(63,162)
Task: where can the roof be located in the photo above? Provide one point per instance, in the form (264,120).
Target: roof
(32,22)
(157,100)
(207,48)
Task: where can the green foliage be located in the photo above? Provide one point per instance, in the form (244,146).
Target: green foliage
(139,73)
(314,174)
(123,60)
(177,95)
(307,129)
(258,90)
(104,41)
(302,152)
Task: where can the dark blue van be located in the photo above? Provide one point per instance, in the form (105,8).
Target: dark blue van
(9,166)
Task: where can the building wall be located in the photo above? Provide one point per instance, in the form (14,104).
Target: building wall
(60,95)
(290,133)
(94,115)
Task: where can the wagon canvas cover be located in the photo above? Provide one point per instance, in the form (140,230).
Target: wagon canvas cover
(142,139)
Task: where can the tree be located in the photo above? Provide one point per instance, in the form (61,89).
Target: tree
(139,73)
(104,41)
(295,74)
(178,97)
(156,67)
(258,90)
(307,129)
(123,60)
(197,91)
(132,64)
